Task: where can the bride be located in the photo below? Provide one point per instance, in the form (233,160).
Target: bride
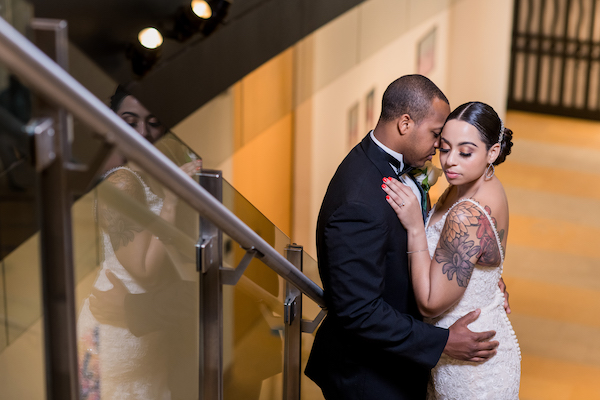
(456,259)
(114,362)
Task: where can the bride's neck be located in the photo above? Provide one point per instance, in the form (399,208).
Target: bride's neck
(468,190)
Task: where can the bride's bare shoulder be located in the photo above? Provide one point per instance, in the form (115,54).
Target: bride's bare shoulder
(494,196)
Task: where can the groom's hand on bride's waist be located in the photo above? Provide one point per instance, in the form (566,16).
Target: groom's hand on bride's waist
(108,307)
(465,345)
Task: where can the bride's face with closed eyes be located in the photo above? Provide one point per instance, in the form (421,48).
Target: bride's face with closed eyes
(463,155)
(140,119)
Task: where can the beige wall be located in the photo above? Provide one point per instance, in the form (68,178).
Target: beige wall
(271,140)
(247,133)
(479,52)
(262,162)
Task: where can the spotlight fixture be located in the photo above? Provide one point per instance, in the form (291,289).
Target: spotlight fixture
(146,51)
(219,12)
(201,9)
(150,38)
(198,16)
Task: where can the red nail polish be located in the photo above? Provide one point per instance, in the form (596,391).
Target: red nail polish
(383,186)
(387,197)
(385,179)
(390,178)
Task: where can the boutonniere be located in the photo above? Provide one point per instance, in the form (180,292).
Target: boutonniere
(426,176)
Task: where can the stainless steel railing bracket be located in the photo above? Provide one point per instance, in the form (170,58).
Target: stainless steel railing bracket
(41,132)
(290,310)
(231,276)
(311,326)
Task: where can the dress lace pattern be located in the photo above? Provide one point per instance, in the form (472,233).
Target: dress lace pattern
(115,364)
(499,377)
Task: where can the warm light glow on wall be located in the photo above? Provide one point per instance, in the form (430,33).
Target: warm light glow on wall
(150,38)
(201,9)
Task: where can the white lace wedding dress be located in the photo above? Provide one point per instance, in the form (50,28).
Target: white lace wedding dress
(499,377)
(115,364)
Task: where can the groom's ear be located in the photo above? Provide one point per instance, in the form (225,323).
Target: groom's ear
(405,124)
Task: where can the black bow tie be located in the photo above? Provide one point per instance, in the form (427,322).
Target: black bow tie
(396,163)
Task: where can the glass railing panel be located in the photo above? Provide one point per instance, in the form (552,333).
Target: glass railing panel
(137,315)
(3,315)
(23,288)
(24,354)
(86,239)
(22,373)
(252,313)
(18,208)
(253,334)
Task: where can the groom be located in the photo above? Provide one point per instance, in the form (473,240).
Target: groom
(373,343)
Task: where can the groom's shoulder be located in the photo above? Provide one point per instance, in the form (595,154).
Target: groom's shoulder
(355,181)
(356,164)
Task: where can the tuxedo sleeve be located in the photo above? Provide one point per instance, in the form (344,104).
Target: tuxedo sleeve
(356,244)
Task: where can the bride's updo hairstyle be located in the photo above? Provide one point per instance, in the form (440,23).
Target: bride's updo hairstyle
(488,123)
(117,98)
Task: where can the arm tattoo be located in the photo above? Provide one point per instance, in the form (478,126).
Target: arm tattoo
(464,215)
(455,257)
(128,182)
(489,254)
(455,251)
(119,228)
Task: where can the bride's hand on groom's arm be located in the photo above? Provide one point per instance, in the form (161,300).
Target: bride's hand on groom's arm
(465,345)
(404,203)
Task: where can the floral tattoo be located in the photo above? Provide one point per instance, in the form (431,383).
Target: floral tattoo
(456,256)
(120,229)
(455,251)
(488,254)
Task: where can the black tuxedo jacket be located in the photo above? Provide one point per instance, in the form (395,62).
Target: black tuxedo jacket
(373,343)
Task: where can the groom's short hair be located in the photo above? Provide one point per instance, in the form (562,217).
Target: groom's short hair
(412,95)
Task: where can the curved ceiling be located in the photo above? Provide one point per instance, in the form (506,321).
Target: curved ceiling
(190,73)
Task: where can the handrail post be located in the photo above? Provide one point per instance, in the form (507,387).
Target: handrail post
(56,245)
(292,330)
(210,260)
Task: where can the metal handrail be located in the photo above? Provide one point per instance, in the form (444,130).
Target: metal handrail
(42,73)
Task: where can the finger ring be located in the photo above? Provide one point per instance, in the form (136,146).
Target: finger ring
(402,205)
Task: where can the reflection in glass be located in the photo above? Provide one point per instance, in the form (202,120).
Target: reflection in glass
(3,315)
(17,176)
(18,213)
(137,330)
(21,332)
(253,309)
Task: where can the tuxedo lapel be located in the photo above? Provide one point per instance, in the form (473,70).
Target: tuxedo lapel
(377,156)
(381,159)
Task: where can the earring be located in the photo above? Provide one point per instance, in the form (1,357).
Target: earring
(487,171)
